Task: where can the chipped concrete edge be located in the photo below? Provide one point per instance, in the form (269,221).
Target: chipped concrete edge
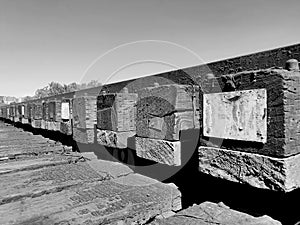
(260,171)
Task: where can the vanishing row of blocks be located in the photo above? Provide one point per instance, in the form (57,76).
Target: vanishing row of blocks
(245,126)
(154,117)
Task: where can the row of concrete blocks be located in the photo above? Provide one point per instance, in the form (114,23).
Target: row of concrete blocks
(270,163)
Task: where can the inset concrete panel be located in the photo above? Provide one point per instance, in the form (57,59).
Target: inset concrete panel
(65,110)
(238,115)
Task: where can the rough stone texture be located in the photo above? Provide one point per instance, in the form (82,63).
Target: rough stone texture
(208,213)
(279,174)
(238,115)
(66,127)
(45,111)
(4,111)
(161,151)
(53,125)
(24,121)
(164,111)
(57,117)
(72,188)
(116,112)
(14,143)
(85,136)
(43,124)
(29,110)
(37,112)
(54,110)
(283,98)
(20,114)
(114,139)
(36,123)
(84,112)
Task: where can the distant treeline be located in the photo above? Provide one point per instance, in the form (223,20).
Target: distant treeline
(55,88)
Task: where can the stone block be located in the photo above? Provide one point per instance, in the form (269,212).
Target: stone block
(84,112)
(161,151)
(163,111)
(84,136)
(281,116)
(116,111)
(114,139)
(277,174)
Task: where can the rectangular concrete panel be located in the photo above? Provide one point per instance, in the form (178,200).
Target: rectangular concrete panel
(65,110)
(238,115)
(23,110)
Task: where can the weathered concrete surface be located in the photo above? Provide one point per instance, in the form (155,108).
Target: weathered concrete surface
(238,115)
(164,111)
(211,213)
(15,143)
(114,139)
(116,112)
(61,187)
(282,113)
(161,151)
(280,174)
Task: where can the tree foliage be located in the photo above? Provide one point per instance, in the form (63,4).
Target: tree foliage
(55,88)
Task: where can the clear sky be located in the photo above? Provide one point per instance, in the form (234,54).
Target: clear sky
(58,40)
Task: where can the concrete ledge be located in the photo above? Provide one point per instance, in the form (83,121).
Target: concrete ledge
(53,125)
(66,128)
(279,174)
(114,139)
(84,136)
(43,124)
(161,151)
(36,123)
(25,121)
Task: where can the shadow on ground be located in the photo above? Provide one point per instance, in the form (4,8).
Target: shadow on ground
(195,187)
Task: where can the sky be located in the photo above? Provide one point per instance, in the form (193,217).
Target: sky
(77,40)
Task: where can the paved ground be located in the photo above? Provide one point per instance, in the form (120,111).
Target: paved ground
(43,182)
(212,213)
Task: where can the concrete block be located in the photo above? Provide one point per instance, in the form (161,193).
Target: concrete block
(161,151)
(114,139)
(278,174)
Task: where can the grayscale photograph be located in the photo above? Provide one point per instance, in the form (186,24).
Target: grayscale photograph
(149,112)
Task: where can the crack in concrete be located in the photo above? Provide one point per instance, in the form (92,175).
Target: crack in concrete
(57,189)
(34,167)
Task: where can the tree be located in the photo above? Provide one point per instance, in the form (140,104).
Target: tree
(72,87)
(55,88)
(93,83)
(27,98)
(42,92)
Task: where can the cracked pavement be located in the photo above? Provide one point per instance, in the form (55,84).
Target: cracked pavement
(43,182)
